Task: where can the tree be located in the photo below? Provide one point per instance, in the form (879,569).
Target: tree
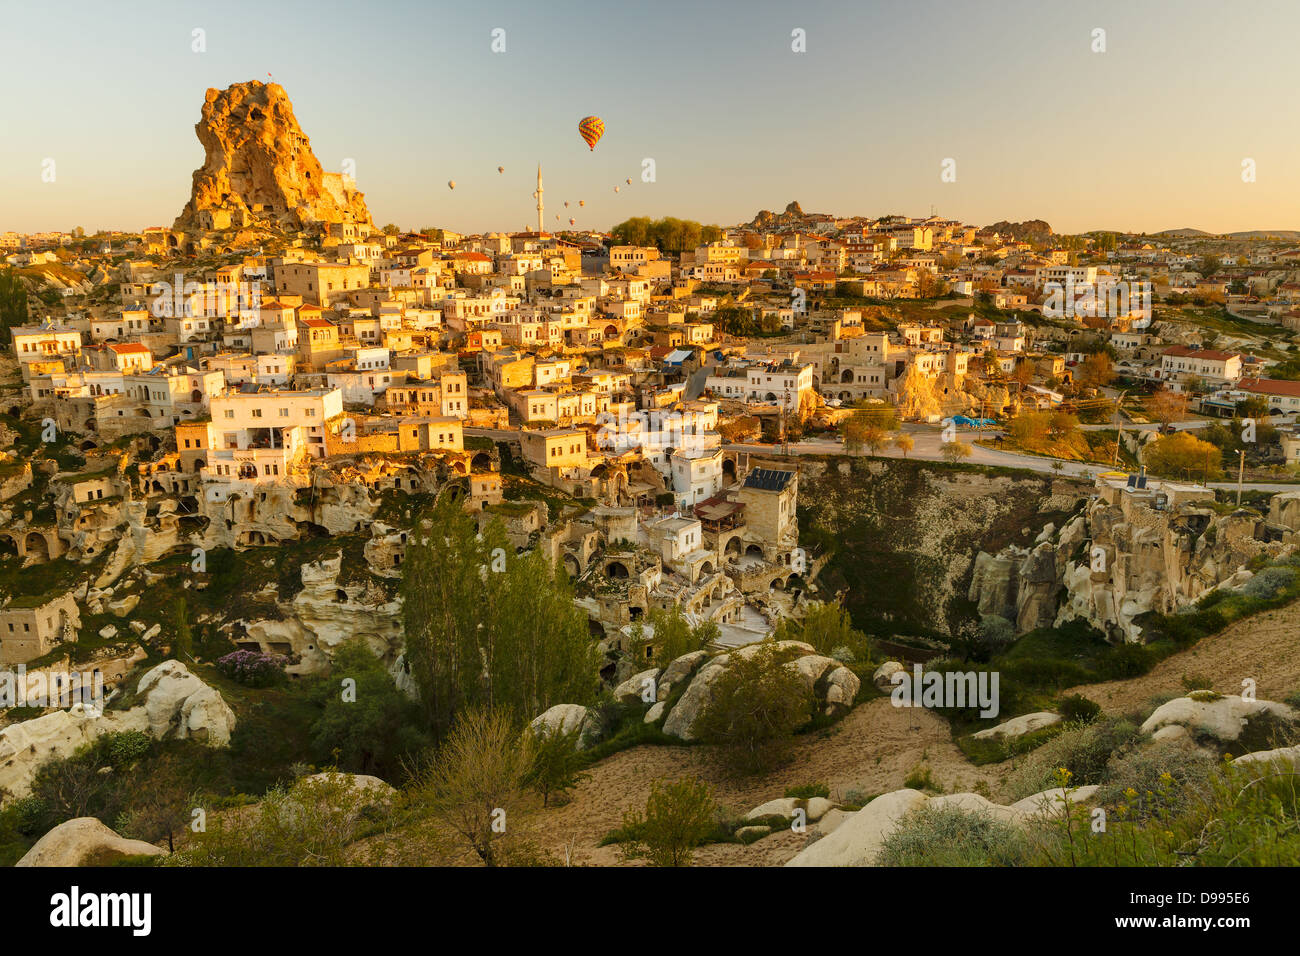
(861,432)
(13,302)
(1167,406)
(475,779)
(160,802)
(486,627)
(674,635)
(955,451)
(366,726)
(1095,371)
(756,705)
(828,628)
(904,443)
(1182,455)
(678,817)
(392,229)
(557,762)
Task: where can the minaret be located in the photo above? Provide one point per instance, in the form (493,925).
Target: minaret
(538,196)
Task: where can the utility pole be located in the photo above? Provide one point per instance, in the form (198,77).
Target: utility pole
(1119,426)
(1241,471)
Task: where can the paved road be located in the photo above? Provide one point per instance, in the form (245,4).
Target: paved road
(928,444)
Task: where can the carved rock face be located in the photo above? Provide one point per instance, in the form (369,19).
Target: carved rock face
(260,169)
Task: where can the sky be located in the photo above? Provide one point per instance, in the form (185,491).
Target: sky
(1150,134)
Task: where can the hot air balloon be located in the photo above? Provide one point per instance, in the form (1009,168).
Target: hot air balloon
(572,221)
(591,129)
(615,189)
(566,204)
(582,202)
(629,182)
(502,169)
(451,184)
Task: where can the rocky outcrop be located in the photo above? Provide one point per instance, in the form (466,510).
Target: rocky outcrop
(1205,715)
(259,169)
(829,682)
(858,838)
(566,719)
(178,704)
(174,704)
(1113,563)
(84,841)
(1019,726)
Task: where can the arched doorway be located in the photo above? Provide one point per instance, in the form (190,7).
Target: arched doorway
(37,546)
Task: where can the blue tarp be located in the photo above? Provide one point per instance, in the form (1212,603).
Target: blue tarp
(965,422)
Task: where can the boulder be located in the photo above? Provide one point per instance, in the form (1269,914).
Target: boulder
(84,841)
(1051,801)
(655,712)
(678,670)
(176,700)
(857,840)
(1280,756)
(567,718)
(814,808)
(633,689)
(681,719)
(1019,726)
(1220,718)
(974,803)
(373,787)
(883,677)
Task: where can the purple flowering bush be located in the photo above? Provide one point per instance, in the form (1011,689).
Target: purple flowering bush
(253,668)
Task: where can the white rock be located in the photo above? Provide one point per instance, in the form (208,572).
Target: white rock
(567,718)
(1280,756)
(1224,718)
(882,678)
(84,841)
(974,803)
(655,712)
(857,840)
(1051,801)
(1019,726)
(634,688)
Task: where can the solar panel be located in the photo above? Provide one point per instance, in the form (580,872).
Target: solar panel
(768,479)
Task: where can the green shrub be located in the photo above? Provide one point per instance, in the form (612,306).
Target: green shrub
(1133,777)
(1082,749)
(1268,583)
(950,836)
(808,791)
(1078,709)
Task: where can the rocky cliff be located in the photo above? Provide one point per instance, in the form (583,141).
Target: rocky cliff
(260,170)
(1113,562)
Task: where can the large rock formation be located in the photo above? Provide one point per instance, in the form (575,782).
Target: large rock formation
(1114,562)
(174,703)
(84,841)
(260,170)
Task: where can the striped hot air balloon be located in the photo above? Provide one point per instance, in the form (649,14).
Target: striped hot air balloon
(591,129)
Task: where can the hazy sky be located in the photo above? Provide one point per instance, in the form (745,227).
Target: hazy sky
(1148,135)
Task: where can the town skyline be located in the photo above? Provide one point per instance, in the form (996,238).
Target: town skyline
(825,134)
